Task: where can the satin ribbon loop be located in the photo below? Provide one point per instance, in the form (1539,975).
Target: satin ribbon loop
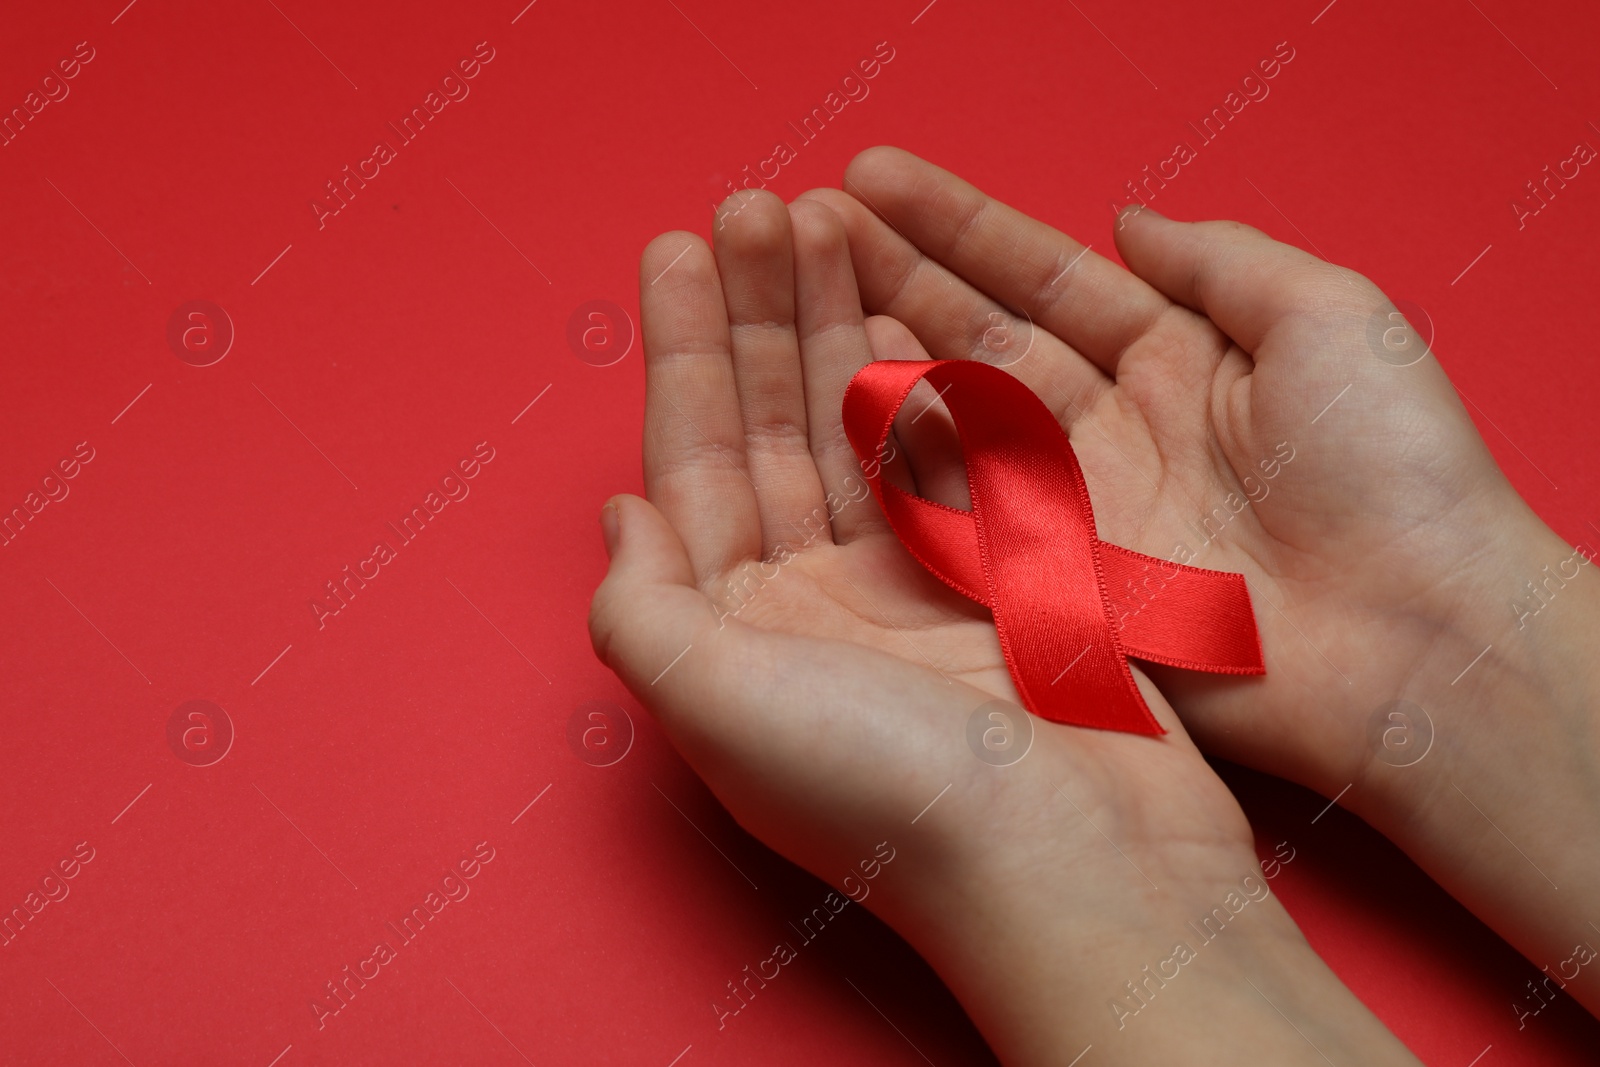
(1069,608)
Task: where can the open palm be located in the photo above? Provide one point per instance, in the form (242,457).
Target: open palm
(1235,403)
(817,678)
(826,686)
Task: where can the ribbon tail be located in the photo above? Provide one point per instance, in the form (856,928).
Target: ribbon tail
(1183,616)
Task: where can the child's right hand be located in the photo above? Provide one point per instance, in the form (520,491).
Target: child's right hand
(1384,558)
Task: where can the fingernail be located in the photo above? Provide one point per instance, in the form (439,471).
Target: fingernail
(1132,211)
(1127,213)
(610,528)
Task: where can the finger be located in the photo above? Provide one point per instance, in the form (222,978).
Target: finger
(833,347)
(755,257)
(694,452)
(923,424)
(1086,300)
(1243,280)
(953,319)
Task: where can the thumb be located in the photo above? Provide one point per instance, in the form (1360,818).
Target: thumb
(1234,274)
(648,608)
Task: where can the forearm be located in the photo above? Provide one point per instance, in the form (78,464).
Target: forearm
(1504,809)
(1171,976)
(1252,1000)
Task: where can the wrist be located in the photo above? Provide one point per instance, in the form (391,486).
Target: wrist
(1049,961)
(1500,772)
(1502,696)
(1183,988)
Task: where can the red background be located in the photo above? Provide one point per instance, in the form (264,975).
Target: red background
(423,718)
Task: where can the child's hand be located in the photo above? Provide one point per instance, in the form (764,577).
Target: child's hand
(825,694)
(1237,403)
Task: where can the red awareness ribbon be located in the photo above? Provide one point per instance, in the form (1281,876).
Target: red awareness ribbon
(1029,552)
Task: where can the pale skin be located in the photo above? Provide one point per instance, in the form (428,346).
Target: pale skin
(826,702)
